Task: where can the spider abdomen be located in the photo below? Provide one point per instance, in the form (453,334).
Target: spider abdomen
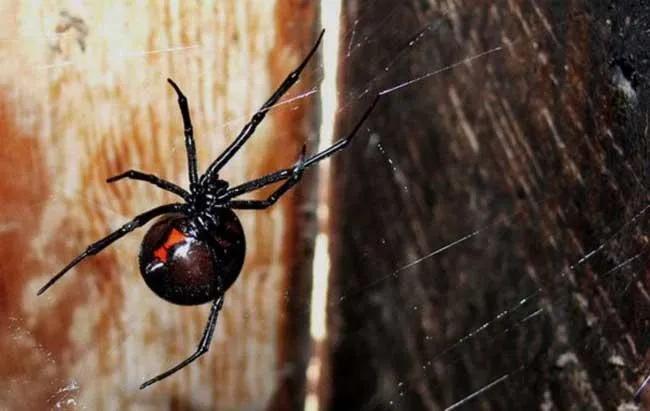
(188,266)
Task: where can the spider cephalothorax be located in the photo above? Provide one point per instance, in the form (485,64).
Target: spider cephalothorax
(196,250)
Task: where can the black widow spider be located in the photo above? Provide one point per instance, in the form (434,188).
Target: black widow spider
(195,251)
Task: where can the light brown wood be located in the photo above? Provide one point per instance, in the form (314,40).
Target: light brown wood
(83,96)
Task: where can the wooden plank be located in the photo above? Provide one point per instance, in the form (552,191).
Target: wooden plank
(83,96)
(516,183)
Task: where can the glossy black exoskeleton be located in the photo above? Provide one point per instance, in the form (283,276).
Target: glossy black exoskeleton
(196,250)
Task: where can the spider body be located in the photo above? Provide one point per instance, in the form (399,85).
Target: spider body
(189,260)
(194,252)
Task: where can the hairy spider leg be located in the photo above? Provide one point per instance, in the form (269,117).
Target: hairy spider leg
(292,174)
(94,248)
(152,179)
(203,347)
(189,136)
(248,130)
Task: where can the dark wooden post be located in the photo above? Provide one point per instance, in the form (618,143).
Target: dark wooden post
(527,149)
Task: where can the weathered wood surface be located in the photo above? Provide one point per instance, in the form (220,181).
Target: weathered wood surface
(83,96)
(542,145)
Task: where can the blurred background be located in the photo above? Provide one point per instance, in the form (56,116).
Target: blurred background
(482,244)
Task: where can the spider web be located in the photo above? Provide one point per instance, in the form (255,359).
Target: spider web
(504,295)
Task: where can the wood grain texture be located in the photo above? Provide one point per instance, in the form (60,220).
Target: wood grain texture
(83,96)
(529,125)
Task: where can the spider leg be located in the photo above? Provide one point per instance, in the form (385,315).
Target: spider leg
(293,178)
(339,145)
(275,196)
(98,246)
(257,118)
(203,347)
(257,183)
(153,179)
(293,175)
(189,135)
